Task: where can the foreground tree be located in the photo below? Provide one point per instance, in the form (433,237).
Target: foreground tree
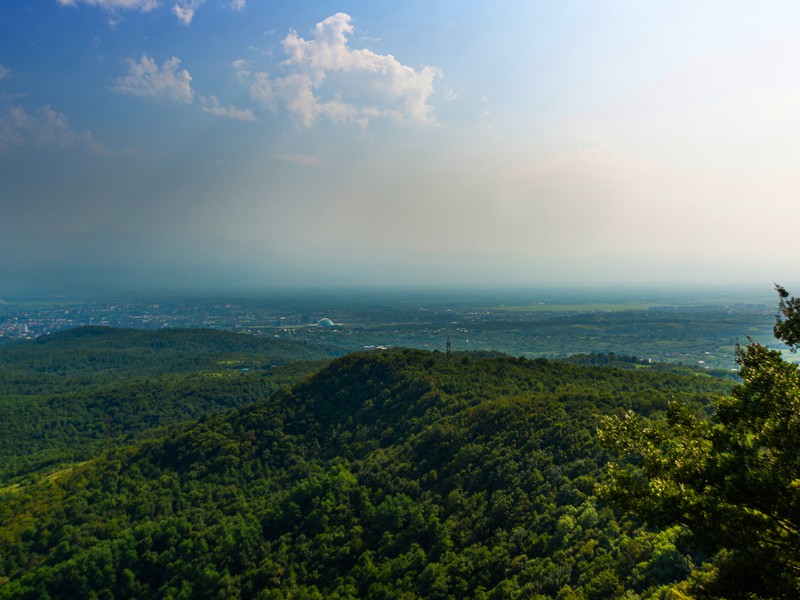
(731,480)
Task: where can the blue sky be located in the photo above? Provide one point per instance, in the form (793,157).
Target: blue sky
(245,142)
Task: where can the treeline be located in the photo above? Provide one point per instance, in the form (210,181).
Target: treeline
(396,474)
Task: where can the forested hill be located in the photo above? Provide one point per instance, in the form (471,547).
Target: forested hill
(395,474)
(56,391)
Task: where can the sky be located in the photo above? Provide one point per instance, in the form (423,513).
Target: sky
(264,143)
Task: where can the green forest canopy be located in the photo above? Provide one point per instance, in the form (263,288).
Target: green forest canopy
(395,474)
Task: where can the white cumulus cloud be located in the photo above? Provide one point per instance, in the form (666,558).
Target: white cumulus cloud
(212,105)
(325,76)
(43,128)
(185,9)
(4,72)
(147,80)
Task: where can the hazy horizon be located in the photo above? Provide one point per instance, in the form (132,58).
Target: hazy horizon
(420,296)
(222,144)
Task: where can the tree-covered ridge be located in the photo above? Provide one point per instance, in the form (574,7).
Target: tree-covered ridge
(56,391)
(397,474)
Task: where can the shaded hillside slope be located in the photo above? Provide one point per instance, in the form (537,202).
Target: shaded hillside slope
(386,475)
